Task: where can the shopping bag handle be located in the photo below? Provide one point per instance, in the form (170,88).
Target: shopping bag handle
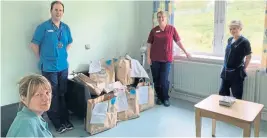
(142,80)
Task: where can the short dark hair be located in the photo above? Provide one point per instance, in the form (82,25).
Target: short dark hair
(56,2)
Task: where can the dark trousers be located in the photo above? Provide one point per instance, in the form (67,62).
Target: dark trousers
(160,74)
(236,85)
(58,112)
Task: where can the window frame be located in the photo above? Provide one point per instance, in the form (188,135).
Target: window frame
(218,39)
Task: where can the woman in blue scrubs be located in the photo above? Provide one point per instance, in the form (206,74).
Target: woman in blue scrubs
(35,94)
(234,69)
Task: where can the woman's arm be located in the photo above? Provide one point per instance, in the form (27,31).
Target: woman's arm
(182,47)
(150,41)
(247,52)
(148,53)
(247,61)
(177,39)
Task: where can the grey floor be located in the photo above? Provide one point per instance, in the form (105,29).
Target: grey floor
(174,121)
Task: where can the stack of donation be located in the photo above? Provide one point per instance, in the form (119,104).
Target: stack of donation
(110,81)
(227,101)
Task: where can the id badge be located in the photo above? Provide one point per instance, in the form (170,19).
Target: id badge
(60,45)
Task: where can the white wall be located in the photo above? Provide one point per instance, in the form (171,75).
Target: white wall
(145,22)
(19,20)
(0,52)
(111,29)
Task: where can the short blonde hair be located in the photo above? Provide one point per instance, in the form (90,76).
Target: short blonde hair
(236,23)
(29,85)
(162,13)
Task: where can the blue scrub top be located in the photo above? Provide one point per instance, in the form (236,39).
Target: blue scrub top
(53,58)
(28,124)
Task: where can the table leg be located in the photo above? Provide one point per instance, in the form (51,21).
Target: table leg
(246,130)
(213,127)
(198,122)
(257,125)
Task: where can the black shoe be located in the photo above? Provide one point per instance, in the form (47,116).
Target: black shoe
(61,129)
(68,125)
(158,102)
(166,103)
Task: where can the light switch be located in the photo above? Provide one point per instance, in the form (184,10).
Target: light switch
(87,46)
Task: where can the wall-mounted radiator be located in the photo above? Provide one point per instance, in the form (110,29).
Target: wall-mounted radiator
(194,81)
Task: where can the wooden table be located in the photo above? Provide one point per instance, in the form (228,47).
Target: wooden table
(241,113)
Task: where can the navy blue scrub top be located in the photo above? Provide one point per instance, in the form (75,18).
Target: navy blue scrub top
(236,52)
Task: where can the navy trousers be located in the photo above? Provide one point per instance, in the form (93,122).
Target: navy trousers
(160,74)
(58,112)
(236,85)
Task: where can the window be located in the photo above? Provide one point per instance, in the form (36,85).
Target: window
(203,25)
(252,14)
(194,21)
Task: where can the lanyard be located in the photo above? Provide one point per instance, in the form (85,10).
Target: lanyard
(59,31)
(59,34)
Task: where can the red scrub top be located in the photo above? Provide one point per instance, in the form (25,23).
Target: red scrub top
(162,43)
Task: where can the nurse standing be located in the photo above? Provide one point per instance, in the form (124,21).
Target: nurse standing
(234,69)
(160,56)
(50,43)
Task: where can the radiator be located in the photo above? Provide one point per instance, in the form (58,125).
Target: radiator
(261,89)
(203,79)
(194,81)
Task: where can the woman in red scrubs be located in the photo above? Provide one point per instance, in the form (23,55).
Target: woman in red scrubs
(160,56)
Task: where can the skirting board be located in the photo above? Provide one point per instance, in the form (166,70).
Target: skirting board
(196,99)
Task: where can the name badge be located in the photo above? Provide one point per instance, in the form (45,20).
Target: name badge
(50,31)
(158,31)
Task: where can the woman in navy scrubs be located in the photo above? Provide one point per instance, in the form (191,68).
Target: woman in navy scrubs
(234,69)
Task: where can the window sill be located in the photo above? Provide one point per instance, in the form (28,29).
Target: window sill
(213,60)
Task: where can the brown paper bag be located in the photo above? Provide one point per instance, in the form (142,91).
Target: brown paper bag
(111,87)
(123,69)
(151,98)
(133,107)
(107,74)
(95,88)
(111,116)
